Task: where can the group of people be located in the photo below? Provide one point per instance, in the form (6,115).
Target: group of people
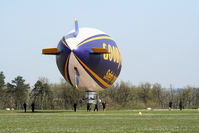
(74,107)
(96,106)
(89,106)
(32,107)
(104,106)
(180,105)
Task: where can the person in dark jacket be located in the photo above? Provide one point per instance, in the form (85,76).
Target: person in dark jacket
(170,105)
(88,107)
(96,107)
(33,107)
(104,106)
(24,105)
(75,107)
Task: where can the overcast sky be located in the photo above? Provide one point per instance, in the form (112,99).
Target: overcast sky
(158,40)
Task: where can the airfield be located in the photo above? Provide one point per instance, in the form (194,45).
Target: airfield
(99,122)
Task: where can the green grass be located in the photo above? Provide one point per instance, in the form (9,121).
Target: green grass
(99,122)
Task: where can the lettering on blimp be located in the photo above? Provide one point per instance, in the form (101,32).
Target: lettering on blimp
(110,77)
(114,54)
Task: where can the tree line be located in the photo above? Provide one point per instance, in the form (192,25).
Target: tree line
(121,95)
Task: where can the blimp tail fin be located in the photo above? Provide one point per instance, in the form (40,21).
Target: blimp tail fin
(50,51)
(99,51)
(76,28)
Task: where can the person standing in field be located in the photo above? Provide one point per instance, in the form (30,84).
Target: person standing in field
(24,105)
(88,107)
(33,107)
(170,105)
(75,107)
(96,107)
(104,106)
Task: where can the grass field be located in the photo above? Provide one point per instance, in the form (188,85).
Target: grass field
(99,122)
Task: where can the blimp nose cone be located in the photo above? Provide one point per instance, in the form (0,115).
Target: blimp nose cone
(84,55)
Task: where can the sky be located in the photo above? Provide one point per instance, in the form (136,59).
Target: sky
(158,40)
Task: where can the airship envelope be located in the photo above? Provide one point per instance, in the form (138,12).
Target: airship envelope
(87,58)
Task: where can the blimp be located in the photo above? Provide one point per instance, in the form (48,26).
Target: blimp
(88,59)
